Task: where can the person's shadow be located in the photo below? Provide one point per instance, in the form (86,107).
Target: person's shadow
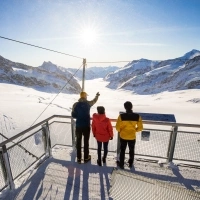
(84,175)
(62,179)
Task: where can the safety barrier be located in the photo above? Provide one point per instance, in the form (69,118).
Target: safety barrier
(32,146)
(169,141)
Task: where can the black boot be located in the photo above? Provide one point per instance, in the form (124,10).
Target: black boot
(104,160)
(87,159)
(121,166)
(99,162)
(130,162)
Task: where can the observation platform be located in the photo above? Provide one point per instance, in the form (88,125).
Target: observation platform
(40,163)
(61,177)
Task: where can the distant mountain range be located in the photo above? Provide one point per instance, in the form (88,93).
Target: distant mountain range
(47,77)
(93,72)
(140,76)
(149,77)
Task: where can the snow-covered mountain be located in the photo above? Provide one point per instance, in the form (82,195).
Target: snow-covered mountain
(133,69)
(48,77)
(149,77)
(93,72)
(140,76)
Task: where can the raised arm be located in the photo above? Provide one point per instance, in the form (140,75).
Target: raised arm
(92,102)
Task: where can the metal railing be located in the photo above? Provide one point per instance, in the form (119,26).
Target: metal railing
(169,141)
(31,146)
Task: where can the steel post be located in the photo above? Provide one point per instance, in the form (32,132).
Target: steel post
(8,170)
(172,143)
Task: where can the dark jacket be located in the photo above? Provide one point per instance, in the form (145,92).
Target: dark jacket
(81,111)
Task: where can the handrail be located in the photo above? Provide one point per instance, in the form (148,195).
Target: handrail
(31,128)
(165,123)
(112,120)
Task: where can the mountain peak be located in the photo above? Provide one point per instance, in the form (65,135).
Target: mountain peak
(49,66)
(191,54)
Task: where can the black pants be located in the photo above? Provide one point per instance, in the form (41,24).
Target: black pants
(131,145)
(85,132)
(105,147)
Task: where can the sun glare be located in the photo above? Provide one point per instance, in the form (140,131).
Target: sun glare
(88,36)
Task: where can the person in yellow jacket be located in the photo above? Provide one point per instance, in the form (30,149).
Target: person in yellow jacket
(127,125)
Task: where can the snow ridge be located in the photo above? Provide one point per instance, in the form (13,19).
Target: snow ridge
(151,77)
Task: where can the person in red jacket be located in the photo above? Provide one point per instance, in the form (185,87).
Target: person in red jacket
(102,131)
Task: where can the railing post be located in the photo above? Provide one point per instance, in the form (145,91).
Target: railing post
(3,167)
(118,146)
(73,133)
(6,165)
(172,143)
(83,79)
(47,139)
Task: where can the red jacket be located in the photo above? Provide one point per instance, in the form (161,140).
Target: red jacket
(101,127)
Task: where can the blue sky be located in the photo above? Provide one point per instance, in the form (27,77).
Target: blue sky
(123,30)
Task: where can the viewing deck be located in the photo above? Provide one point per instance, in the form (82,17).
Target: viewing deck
(40,163)
(61,177)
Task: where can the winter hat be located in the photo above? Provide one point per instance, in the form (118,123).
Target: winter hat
(101,110)
(128,105)
(83,95)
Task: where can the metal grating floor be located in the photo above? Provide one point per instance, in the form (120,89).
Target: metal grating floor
(126,185)
(61,177)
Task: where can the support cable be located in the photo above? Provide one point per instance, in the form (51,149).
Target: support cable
(109,62)
(40,47)
(54,52)
(44,111)
(56,95)
(53,99)
(121,61)
(179,59)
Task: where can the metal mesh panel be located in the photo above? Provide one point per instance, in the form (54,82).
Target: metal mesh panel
(156,146)
(60,133)
(22,155)
(125,185)
(187,146)
(92,141)
(2,173)
(113,143)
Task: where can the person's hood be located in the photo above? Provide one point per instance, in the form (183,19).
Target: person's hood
(98,117)
(82,100)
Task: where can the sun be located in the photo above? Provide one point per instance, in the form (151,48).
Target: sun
(89,36)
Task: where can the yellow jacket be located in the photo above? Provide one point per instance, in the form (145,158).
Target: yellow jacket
(128,124)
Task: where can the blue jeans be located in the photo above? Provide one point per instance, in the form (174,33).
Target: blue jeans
(105,147)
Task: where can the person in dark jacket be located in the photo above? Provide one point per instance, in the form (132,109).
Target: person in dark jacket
(81,112)
(127,125)
(103,132)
